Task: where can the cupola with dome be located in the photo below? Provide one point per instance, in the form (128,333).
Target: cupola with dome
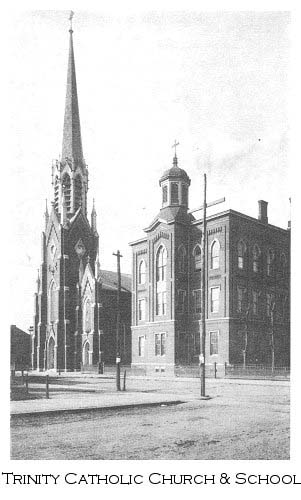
(175,185)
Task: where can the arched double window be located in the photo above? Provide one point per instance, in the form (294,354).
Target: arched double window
(256,258)
(161,261)
(142,272)
(197,255)
(77,192)
(67,191)
(182,259)
(241,252)
(214,257)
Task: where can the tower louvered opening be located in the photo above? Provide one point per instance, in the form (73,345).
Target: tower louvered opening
(77,192)
(67,191)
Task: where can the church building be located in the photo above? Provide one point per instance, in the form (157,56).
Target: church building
(247,276)
(75,303)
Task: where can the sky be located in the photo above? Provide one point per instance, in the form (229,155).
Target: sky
(216,81)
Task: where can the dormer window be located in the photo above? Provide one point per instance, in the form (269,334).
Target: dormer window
(174,193)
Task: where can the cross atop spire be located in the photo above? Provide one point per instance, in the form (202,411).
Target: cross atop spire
(175,159)
(72,142)
(70,19)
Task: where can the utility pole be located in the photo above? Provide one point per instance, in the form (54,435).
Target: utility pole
(272,335)
(203,291)
(118,358)
(244,352)
(203,284)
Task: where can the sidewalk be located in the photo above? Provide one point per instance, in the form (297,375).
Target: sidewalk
(98,401)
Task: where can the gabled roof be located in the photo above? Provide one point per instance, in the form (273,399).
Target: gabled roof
(109,281)
(171,214)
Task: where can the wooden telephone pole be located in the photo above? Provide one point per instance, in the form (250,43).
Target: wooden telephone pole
(118,323)
(204,285)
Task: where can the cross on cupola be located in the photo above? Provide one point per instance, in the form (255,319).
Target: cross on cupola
(175,159)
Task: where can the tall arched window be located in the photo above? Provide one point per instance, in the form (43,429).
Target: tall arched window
(270,262)
(182,259)
(52,311)
(67,191)
(161,264)
(77,192)
(141,272)
(214,261)
(87,316)
(56,194)
(197,254)
(256,258)
(241,252)
(283,265)
(161,281)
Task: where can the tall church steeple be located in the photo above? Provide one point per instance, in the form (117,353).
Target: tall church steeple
(70,174)
(72,141)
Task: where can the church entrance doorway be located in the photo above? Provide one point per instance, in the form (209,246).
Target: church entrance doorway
(86,354)
(51,353)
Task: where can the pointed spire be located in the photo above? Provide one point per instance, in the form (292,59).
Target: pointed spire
(46,215)
(93,218)
(72,142)
(97,267)
(38,281)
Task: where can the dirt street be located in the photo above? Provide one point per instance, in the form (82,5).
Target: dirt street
(240,421)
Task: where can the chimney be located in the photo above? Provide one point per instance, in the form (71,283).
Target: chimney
(263,211)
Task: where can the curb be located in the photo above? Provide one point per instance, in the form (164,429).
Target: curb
(95,408)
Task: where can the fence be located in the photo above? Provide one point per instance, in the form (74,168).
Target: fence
(213,370)
(257,372)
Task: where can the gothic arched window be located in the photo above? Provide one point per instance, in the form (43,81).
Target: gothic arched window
(241,251)
(141,272)
(214,258)
(197,254)
(52,314)
(77,192)
(67,191)
(87,316)
(256,258)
